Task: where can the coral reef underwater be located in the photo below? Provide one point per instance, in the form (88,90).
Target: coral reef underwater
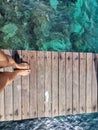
(49,25)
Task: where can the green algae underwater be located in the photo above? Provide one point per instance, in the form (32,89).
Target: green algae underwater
(49,25)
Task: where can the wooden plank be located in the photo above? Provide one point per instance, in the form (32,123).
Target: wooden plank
(8,106)
(55,84)
(62,83)
(1,103)
(17,95)
(68,83)
(40,83)
(83,82)
(33,87)
(89,83)
(58,84)
(75,83)
(48,84)
(25,89)
(94,83)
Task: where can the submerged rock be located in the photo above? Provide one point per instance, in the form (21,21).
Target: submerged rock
(54,3)
(9,31)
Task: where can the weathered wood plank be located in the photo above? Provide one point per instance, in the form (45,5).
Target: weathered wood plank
(40,84)
(1,103)
(8,101)
(62,83)
(48,79)
(33,87)
(68,83)
(94,83)
(75,82)
(55,88)
(89,83)
(59,83)
(82,83)
(17,95)
(25,90)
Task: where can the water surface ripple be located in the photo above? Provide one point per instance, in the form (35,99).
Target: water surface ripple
(70,122)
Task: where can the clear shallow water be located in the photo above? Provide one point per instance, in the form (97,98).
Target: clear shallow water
(70,122)
(54,25)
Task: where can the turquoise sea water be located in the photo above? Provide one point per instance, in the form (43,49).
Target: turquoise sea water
(70,122)
(54,25)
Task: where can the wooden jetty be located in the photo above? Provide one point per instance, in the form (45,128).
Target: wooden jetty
(59,84)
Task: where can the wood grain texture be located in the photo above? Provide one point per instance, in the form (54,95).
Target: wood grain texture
(55,85)
(2,103)
(48,80)
(25,90)
(59,83)
(94,83)
(75,83)
(82,99)
(68,83)
(89,83)
(62,72)
(33,86)
(40,84)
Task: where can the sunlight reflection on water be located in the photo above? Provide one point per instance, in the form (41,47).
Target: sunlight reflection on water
(70,122)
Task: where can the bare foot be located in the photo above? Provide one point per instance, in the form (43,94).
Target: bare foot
(24,72)
(23,66)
